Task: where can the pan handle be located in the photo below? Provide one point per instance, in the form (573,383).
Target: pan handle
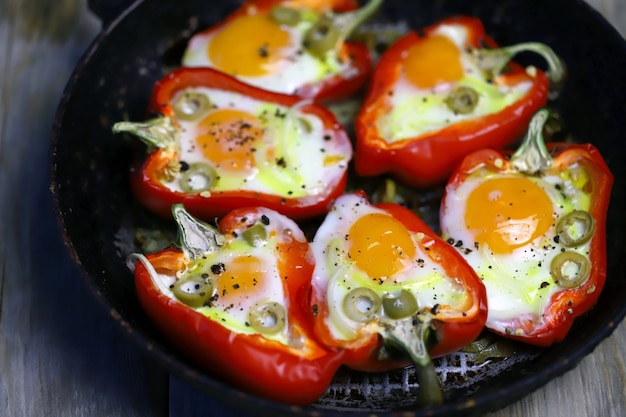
(107,10)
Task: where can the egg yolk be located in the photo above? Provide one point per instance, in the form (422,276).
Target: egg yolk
(380,245)
(228,137)
(433,61)
(251,45)
(242,277)
(507,213)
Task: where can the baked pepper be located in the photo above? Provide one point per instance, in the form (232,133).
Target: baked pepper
(440,93)
(289,46)
(233,300)
(532,225)
(383,282)
(220,144)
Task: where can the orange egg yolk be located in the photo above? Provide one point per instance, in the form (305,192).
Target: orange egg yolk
(251,45)
(433,61)
(228,138)
(242,277)
(507,213)
(380,245)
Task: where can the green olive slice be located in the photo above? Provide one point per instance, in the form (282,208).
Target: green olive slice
(462,100)
(575,228)
(255,235)
(399,305)
(332,29)
(268,318)
(194,290)
(570,269)
(361,304)
(322,37)
(284,15)
(191,106)
(197,177)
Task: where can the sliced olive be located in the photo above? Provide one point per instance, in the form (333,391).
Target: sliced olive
(197,178)
(285,15)
(399,305)
(268,318)
(570,269)
(462,100)
(361,304)
(333,28)
(322,37)
(193,290)
(575,228)
(255,235)
(191,106)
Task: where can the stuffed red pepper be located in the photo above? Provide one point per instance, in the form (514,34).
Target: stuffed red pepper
(532,225)
(289,46)
(442,92)
(233,299)
(384,281)
(220,144)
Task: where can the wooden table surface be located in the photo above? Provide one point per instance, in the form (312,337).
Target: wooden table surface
(60,354)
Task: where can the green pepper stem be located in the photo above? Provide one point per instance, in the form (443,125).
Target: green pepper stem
(494,60)
(532,156)
(411,335)
(195,237)
(158,132)
(348,22)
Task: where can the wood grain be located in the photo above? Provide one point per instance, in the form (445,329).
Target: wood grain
(59,352)
(51,363)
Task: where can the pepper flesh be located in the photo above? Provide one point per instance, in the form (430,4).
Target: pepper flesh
(546,305)
(432,65)
(354,58)
(296,372)
(147,177)
(452,326)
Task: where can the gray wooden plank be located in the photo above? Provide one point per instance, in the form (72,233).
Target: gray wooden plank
(59,352)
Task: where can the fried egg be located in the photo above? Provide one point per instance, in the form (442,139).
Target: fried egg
(241,282)
(432,69)
(235,142)
(512,228)
(254,47)
(366,258)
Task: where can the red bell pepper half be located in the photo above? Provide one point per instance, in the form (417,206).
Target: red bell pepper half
(532,225)
(384,280)
(289,46)
(222,144)
(440,93)
(233,300)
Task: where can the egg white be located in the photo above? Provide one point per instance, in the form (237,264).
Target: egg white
(296,137)
(298,68)
(519,284)
(336,275)
(419,111)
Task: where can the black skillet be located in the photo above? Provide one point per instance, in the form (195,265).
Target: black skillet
(99,217)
